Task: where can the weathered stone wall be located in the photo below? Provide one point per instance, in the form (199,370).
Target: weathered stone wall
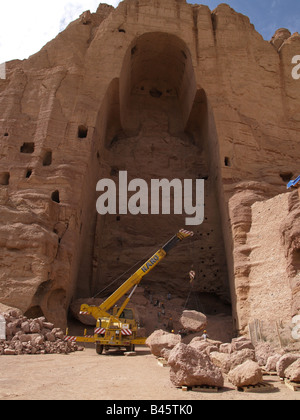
(159,88)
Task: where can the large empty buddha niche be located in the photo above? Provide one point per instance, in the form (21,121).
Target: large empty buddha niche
(156,124)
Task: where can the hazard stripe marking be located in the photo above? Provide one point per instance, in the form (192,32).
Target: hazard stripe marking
(100,331)
(186,232)
(71,339)
(126,332)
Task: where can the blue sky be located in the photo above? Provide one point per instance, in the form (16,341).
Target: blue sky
(27,25)
(266,15)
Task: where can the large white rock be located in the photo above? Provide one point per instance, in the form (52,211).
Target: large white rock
(193,321)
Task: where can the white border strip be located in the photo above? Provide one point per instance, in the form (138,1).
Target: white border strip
(3,71)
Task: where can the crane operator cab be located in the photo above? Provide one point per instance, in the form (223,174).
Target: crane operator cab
(117,332)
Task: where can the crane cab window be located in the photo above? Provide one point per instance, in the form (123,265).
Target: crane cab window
(127,314)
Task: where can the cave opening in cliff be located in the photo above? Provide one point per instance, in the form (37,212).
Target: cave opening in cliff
(27,148)
(55,197)
(156,123)
(82,132)
(296,260)
(34,312)
(4,178)
(47,160)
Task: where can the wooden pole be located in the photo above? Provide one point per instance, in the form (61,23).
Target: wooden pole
(278,333)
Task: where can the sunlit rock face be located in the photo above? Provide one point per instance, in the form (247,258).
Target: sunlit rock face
(160,89)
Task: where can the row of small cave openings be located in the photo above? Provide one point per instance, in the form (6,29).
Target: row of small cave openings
(5,177)
(28,148)
(82,133)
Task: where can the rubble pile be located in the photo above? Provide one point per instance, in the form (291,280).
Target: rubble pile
(33,336)
(208,362)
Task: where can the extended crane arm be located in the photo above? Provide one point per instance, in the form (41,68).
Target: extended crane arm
(135,279)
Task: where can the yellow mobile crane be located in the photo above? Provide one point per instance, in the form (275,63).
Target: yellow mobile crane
(118,328)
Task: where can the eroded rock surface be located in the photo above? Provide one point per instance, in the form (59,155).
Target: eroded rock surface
(163,89)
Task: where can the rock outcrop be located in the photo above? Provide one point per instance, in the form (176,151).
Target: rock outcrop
(162,89)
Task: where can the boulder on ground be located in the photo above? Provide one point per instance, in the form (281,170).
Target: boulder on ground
(239,357)
(225,348)
(284,362)
(193,321)
(293,371)
(271,362)
(249,373)
(263,351)
(191,367)
(221,360)
(202,345)
(165,353)
(241,343)
(227,362)
(160,340)
(207,346)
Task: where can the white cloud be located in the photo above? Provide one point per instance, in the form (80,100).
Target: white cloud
(26,26)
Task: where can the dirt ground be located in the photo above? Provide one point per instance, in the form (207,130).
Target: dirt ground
(112,377)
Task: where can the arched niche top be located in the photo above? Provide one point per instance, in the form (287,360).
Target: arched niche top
(160,65)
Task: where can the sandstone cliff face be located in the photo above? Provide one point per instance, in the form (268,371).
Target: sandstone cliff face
(157,88)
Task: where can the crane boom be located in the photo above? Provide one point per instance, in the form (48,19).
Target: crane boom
(134,280)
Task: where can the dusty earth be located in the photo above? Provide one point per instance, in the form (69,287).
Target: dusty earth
(113,377)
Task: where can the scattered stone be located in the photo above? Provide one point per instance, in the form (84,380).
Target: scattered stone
(192,367)
(293,371)
(165,353)
(161,340)
(248,373)
(221,360)
(130,353)
(271,362)
(241,356)
(262,352)
(227,362)
(241,343)
(284,362)
(205,346)
(225,348)
(9,352)
(33,336)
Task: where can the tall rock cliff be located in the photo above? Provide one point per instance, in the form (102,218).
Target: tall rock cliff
(161,89)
